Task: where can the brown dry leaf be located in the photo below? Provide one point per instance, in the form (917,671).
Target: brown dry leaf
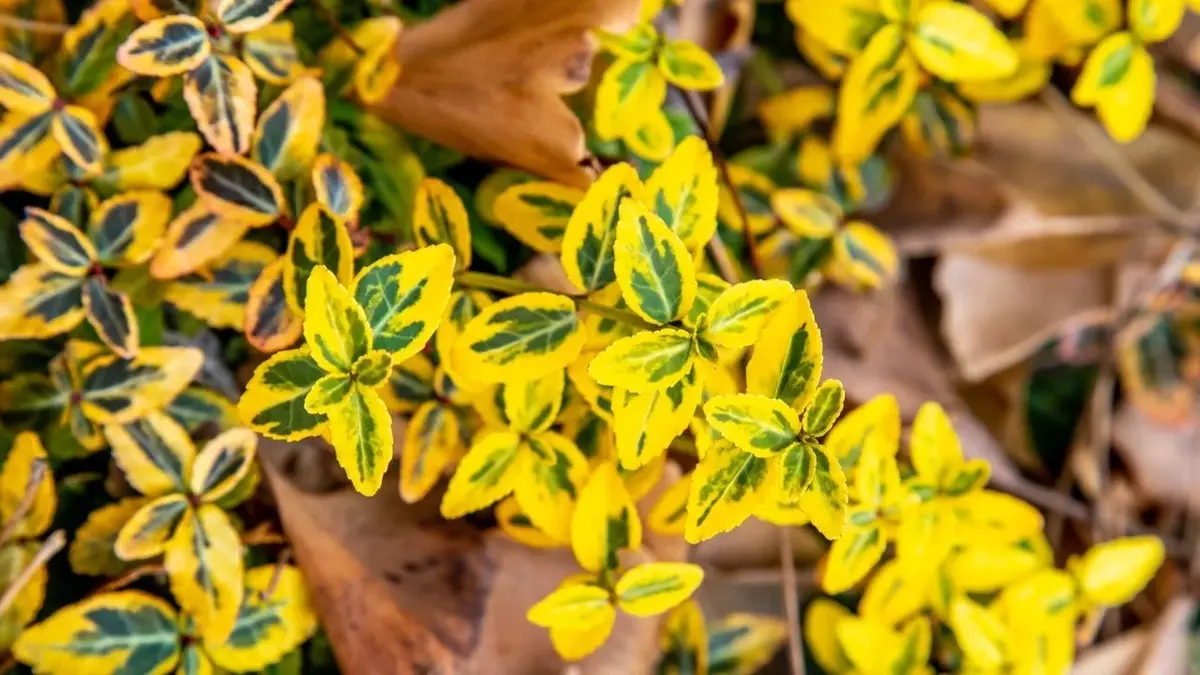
(1163,460)
(1161,649)
(486,77)
(995,316)
(399,590)
(1034,195)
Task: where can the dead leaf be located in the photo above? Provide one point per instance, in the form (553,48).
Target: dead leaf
(400,590)
(1163,460)
(1161,649)
(486,77)
(995,316)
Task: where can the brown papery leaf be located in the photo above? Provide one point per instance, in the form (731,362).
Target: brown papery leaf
(486,77)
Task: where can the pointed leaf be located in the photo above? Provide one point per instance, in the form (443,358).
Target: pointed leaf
(335,326)
(39,302)
(168,46)
(238,188)
(824,408)
(270,324)
(487,474)
(196,237)
(520,337)
(576,606)
(687,66)
(878,89)
(271,53)
(273,403)
(223,463)
(738,315)
(605,521)
(127,228)
(551,474)
(23,88)
(316,240)
(289,130)
(851,558)
(588,243)
(441,218)
(643,362)
(646,423)
(146,533)
(825,500)
(218,294)
(16,481)
(404,297)
(117,390)
(653,268)
(432,442)
(786,364)
(683,192)
(221,95)
(338,189)
(91,551)
(1111,573)
(110,312)
(243,16)
(726,486)
(756,424)
(57,243)
(532,406)
(155,453)
(79,136)
(360,429)
(537,213)
(275,618)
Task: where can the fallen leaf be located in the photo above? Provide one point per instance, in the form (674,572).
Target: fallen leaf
(1162,459)
(486,77)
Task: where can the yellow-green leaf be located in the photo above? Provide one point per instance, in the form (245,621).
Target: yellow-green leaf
(127,631)
(39,302)
(687,66)
(289,130)
(758,425)
(1118,79)
(1155,20)
(843,27)
(221,95)
(441,218)
(826,499)
(110,312)
(115,390)
(316,240)
(218,294)
(588,242)
(520,337)
(56,242)
(237,188)
(338,188)
(628,92)
(196,237)
(684,641)
(360,429)
(146,533)
(275,618)
(980,634)
(273,403)
(537,213)
(851,557)
(516,524)
(653,588)
(1083,22)
(726,487)
(270,324)
(737,317)
(204,565)
(668,516)
(807,213)
(653,138)
(404,297)
(532,406)
(550,475)
(644,361)
(647,422)
(485,475)
(159,163)
(1111,573)
(821,619)
(243,16)
(863,257)
(652,265)
(78,133)
(605,521)
(794,111)
(155,453)
(335,327)
(171,45)
(270,52)
(574,605)
(432,442)
(958,44)
(16,480)
(786,364)
(683,192)
(823,410)
(91,552)
(878,89)
(222,464)
(743,644)
(636,44)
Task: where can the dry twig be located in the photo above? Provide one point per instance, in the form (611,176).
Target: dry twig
(53,544)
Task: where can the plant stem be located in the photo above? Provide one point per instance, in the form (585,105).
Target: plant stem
(696,110)
(17,23)
(791,603)
(338,28)
(52,545)
(509,286)
(1107,151)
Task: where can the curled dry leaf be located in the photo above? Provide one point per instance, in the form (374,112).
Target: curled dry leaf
(486,77)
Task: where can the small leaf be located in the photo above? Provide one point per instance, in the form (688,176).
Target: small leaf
(668,516)
(243,16)
(487,474)
(683,192)
(1113,572)
(116,390)
(532,406)
(863,257)
(872,428)
(316,240)
(825,500)
(335,326)
(549,479)
(222,97)
(605,521)
(338,189)
(627,93)
(159,163)
(222,463)
(40,303)
(275,618)
(91,551)
(756,424)
(163,47)
(57,243)
(876,92)
(237,188)
(148,530)
(16,482)
(273,403)
(653,588)
(574,605)
(155,454)
(726,487)
(520,337)
(360,429)
(1155,20)
(204,565)
(738,315)
(786,364)
(271,53)
(111,314)
(980,634)
(687,66)
(270,324)
(653,268)
(125,630)
(23,88)
(644,361)
(588,243)
(807,213)
(441,218)
(218,294)
(404,296)
(127,228)
(289,130)
(537,213)
(824,408)
(958,44)
(79,136)
(652,139)
(743,644)
(851,557)
(432,442)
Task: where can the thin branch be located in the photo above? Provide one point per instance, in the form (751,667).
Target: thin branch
(284,558)
(343,34)
(696,110)
(791,600)
(37,471)
(53,544)
(501,284)
(17,23)
(1103,147)
(723,260)
(130,577)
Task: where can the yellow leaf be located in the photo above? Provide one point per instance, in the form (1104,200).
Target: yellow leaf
(851,557)
(824,408)
(110,632)
(432,442)
(645,361)
(273,403)
(683,190)
(587,243)
(203,560)
(516,524)
(155,453)
(652,265)
(726,487)
(360,430)
(983,569)
(934,446)
(233,187)
(891,598)
(16,480)
(754,190)
(794,112)
(404,296)
(1118,79)
(441,218)
(653,588)
(979,633)
(148,530)
(532,406)
(271,54)
(1032,73)
(485,475)
(958,44)
(825,500)
(338,188)
(79,136)
(113,395)
(57,243)
(222,464)
(863,257)
(289,130)
(31,303)
(743,644)
(1084,22)
(708,288)
(572,644)
(335,326)
(1155,20)
(636,44)
(605,521)
(684,641)
(737,316)
(221,95)
(91,552)
(653,138)
(171,45)
(821,620)
(276,617)
(878,89)
(537,213)
(873,427)
(842,26)
(757,424)
(668,516)
(1113,572)
(807,213)
(628,92)
(573,605)
(317,239)
(989,517)
(520,337)
(194,238)
(647,422)
(687,66)
(551,471)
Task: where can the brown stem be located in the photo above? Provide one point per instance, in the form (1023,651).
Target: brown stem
(284,558)
(343,34)
(791,601)
(130,577)
(696,110)
(36,472)
(53,544)
(17,23)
